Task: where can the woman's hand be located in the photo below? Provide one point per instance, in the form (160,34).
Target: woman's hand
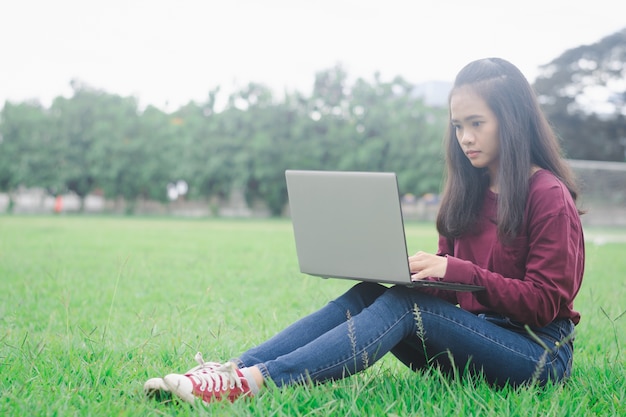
(424,265)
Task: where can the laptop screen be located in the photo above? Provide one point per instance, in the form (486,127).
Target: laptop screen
(348,225)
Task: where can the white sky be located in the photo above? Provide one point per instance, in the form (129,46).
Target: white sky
(174,51)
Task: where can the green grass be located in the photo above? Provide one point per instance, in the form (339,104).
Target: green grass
(91,307)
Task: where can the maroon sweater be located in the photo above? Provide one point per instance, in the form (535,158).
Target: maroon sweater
(533,279)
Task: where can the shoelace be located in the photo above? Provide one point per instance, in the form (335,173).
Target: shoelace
(202,364)
(198,358)
(212,376)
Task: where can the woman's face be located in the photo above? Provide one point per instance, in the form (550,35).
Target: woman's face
(476,128)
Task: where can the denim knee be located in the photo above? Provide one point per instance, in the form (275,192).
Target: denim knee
(359,297)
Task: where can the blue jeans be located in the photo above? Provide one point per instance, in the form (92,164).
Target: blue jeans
(361,326)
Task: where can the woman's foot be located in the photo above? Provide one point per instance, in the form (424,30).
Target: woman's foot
(209,381)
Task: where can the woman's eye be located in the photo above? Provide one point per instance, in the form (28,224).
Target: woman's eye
(476,123)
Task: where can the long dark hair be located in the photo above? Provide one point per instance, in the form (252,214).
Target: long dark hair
(526,139)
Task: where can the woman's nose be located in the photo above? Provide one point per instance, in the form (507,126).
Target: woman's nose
(467,138)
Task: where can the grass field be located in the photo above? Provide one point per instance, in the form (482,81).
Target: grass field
(91,307)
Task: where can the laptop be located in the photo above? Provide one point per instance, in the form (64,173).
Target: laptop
(349,225)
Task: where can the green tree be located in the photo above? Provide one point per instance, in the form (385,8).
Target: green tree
(392,130)
(207,150)
(25,147)
(256,124)
(584,96)
(90,127)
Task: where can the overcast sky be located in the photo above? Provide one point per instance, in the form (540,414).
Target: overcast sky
(173,51)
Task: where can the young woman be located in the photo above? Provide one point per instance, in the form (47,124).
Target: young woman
(508,221)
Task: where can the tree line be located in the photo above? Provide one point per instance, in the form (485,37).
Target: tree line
(95,141)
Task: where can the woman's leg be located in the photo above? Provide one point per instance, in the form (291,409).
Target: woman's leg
(397,319)
(497,349)
(400,319)
(351,345)
(490,345)
(209,380)
(314,325)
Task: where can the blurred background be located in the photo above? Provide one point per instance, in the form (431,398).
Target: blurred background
(196,108)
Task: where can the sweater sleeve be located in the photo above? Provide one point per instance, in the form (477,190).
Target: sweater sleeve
(534,279)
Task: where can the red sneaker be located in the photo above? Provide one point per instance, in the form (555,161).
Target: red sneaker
(209,383)
(157,389)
